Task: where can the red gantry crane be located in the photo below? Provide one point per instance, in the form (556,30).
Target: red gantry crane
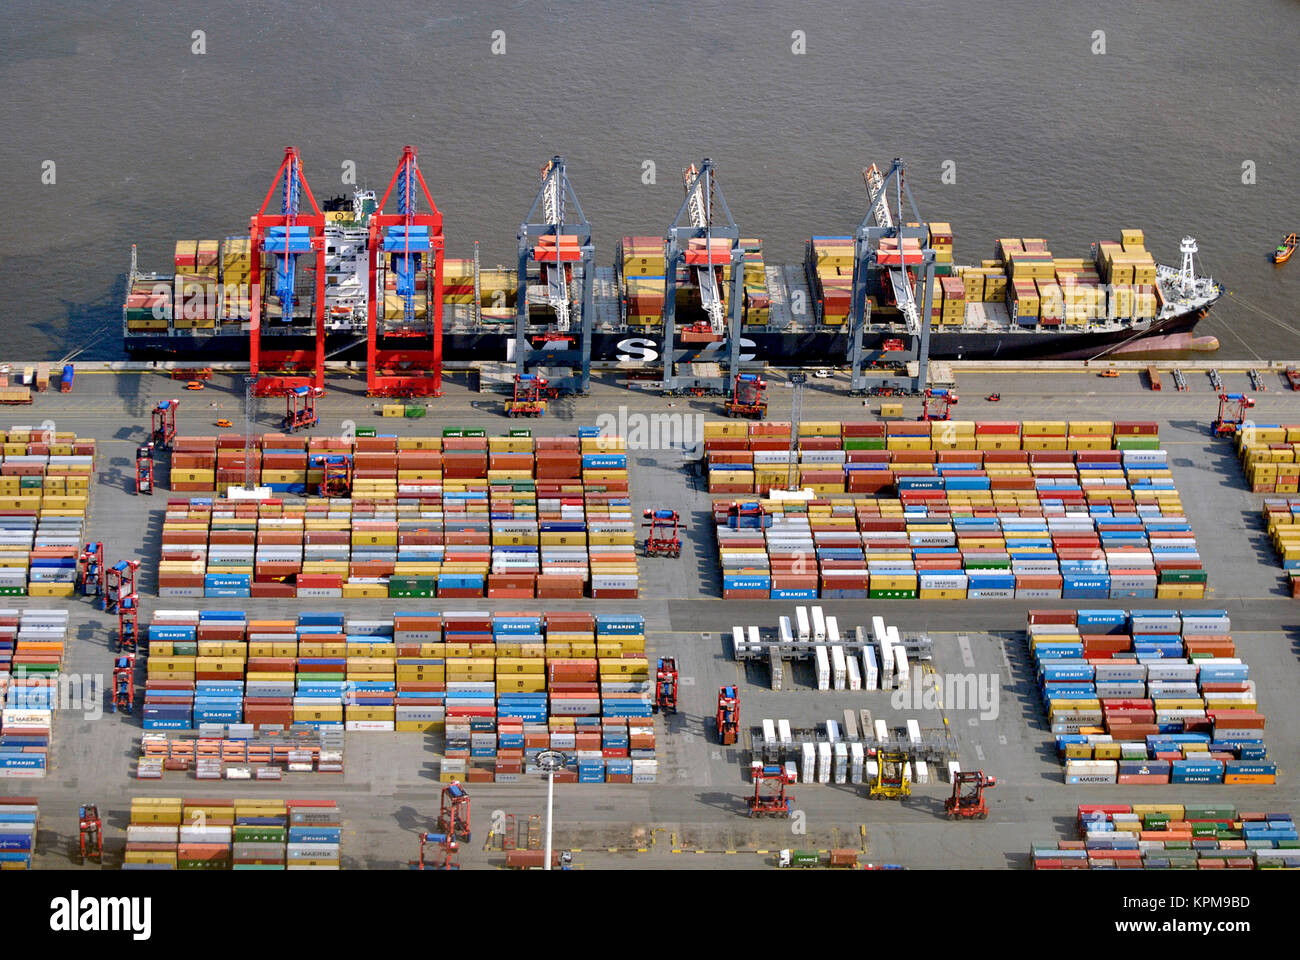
(444,858)
(453,816)
(278,353)
(665,538)
(1232,413)
(748,397)
(163,430)
(666,686)
(727,720)
(404,349)
(770,798)
(300,408)
(967,801)
(144,469)
(124,683)
(939,402)
(90,832)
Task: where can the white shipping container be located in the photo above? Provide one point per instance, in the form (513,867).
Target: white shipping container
(787,635)
(801,618)
(901,667)
(922,772)
(855,674)
(737,639)
(818,625)
(856,765)
(870,672)
(832,630)
(882,730)
(914,731)
(839,670)
(783,731)
(823,762)
(840,772)
(808,766)
(823,666)
(769,732)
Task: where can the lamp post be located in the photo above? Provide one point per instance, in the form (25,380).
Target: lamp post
(549,761)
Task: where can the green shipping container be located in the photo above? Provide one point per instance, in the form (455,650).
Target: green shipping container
(365,431)
(864,443)
(414,413)
(1137,443)
(1182,576)
(891,594)
(13,591)
(520,432)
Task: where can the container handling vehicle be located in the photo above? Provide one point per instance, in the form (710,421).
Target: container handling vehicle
(891,782)
(1232,414)
(144,469)
(968,801)
(770,798)
(163,429)
(529,399)
(938,405)
(665,701)
(90,833)
(300,408)
(748,397)
(727,720)
(124,682)
(453,815)
(444,859)
(664,539)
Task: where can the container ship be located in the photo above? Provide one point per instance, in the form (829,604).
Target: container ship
(1023,302)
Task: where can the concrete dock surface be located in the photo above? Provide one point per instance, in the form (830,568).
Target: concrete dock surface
(695,815)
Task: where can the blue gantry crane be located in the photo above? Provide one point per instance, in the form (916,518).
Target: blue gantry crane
(704,243)
(884,260)
(555,248)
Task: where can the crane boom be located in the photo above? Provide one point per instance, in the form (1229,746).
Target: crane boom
(880,213)
(698,203)
(557,287)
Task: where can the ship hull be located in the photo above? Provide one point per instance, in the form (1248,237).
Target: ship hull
(811,348)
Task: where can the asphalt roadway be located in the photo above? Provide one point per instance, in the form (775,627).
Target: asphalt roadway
(694,816)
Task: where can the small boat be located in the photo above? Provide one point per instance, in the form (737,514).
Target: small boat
(1287,247)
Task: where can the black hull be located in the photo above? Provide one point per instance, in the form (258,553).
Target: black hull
(776,349)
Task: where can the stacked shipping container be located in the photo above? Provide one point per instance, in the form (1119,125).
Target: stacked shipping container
(500,687)
(451,516)
(1174,836)
(264,834)
(19,817)
(32,644)
(1151,696)
(1035,510)
(44,502)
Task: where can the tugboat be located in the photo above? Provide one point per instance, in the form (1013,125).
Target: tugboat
(1284,250)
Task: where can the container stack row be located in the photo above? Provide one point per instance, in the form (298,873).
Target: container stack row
(506,519)
(497,678)
(1174,836)
(1065,544)
(982,457)
(32,645)
(1269,458)
(166,833)
(19,820)
(44,502)
(240,752)
(1148,696)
